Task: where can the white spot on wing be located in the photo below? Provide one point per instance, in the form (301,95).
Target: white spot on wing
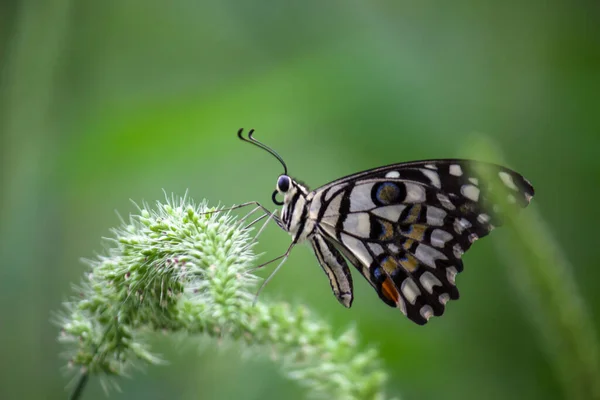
(445,201)
(435,216)
(451,275)
(315,204)
(430,166)
(457,250)
(357,248)
(334,190)
(433,177)
(471,192)
(440,237)
(426,312)
(393,174)
(410,290)
(428,280)
(414,193)
(376,248)
(358,224)
(507,179)
(428,255)
(474,181)
(461,224)
(333,208)
(402,305)
(444,298)
(393,248)
(360,197)
(483,218)
(391,213)
(456,170)
(473,237)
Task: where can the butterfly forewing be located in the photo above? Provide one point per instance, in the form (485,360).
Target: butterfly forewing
(406,226)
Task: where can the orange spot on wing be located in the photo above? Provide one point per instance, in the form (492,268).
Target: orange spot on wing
(389,290)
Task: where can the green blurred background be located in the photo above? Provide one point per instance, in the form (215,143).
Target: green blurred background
(102,102)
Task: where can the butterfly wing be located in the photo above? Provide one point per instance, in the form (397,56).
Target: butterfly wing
(335,267)
(406,226)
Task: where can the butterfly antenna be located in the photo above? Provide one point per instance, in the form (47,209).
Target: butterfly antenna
(255,142)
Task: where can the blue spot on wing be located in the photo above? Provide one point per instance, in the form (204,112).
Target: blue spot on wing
(386,193)
(377,274)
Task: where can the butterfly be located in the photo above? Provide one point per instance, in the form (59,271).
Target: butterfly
(403,226)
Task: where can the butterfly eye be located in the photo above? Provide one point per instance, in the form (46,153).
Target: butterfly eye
(283,183)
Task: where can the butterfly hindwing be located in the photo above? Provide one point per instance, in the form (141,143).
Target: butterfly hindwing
(406,226)
(336,269)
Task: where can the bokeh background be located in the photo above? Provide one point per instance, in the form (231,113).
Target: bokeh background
(103,102)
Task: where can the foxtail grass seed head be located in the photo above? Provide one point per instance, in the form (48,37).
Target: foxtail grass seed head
(185,267)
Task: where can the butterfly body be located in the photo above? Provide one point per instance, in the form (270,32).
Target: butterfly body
(404,226)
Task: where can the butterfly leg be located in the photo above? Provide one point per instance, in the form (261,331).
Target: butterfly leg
(257,219)
(264,225)
(250,203)
(283,258)
(245,217)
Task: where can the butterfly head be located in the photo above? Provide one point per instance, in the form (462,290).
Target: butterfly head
(294,196)
(287,188)
(293,192)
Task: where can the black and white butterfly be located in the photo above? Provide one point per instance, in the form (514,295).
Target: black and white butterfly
(403,226)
